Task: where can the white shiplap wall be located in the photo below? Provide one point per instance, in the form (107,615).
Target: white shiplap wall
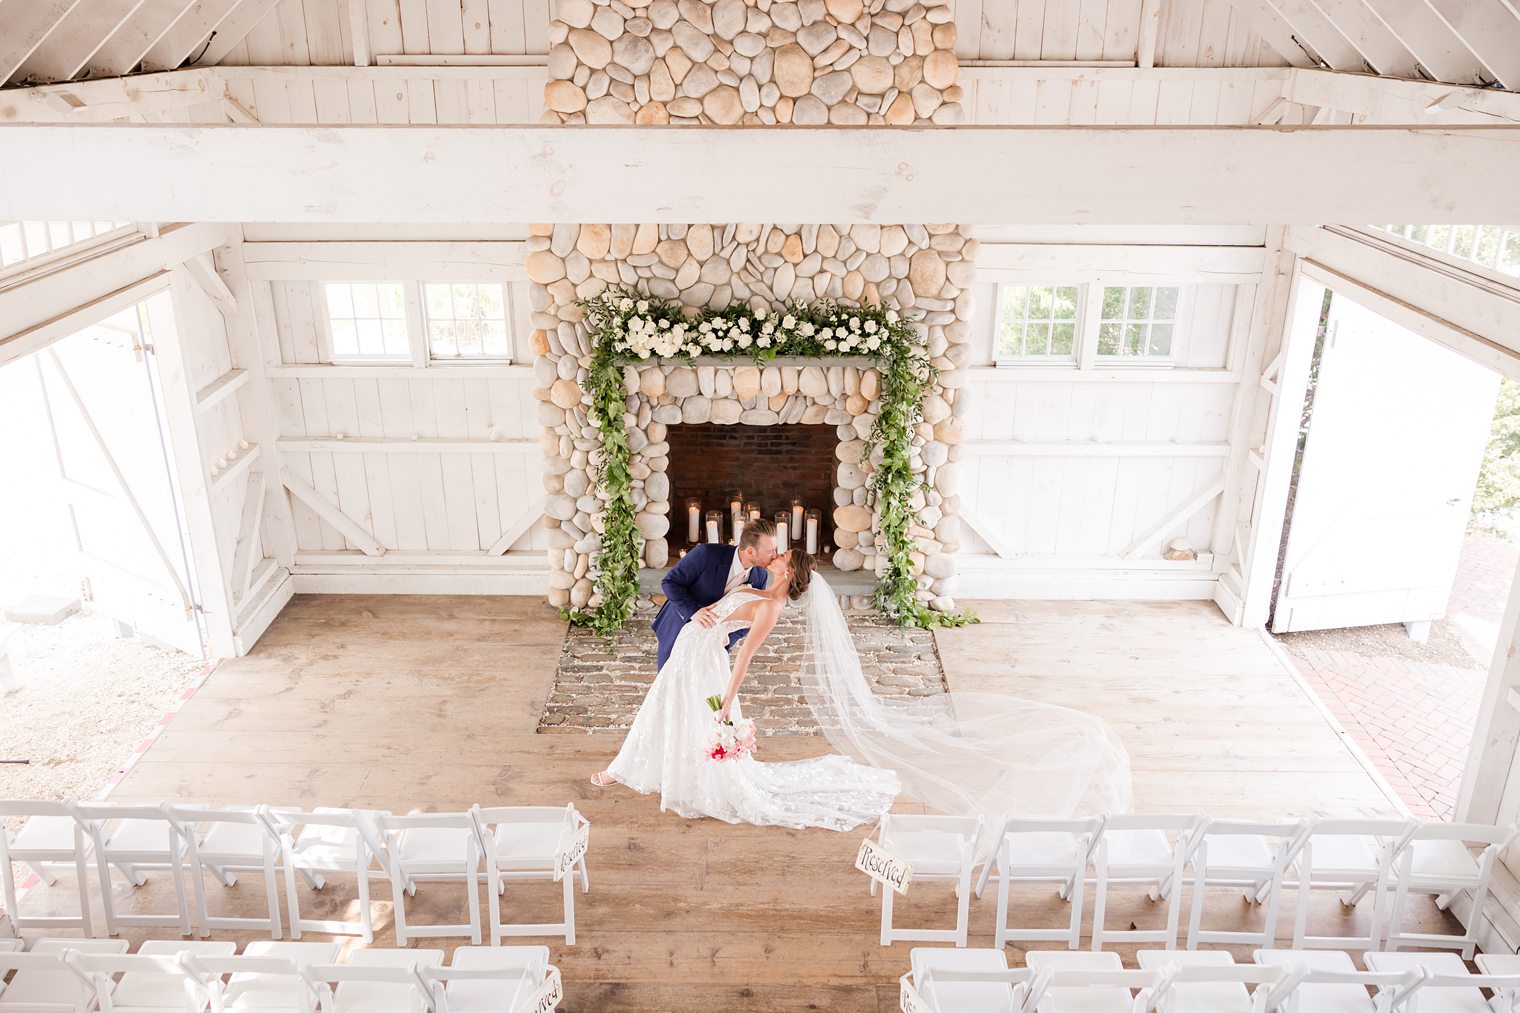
(411,501)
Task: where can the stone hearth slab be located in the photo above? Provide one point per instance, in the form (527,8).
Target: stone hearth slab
(599,685)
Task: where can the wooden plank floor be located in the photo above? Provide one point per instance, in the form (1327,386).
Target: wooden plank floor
(430,703)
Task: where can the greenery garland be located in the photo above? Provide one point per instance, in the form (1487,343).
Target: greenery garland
(627,325)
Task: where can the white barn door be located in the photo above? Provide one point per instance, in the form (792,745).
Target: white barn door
(116,469)
(1385,487)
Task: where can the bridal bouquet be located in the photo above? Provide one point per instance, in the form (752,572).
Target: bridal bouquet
(728,740)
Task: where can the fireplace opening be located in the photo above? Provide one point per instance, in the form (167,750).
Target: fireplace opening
(770,466)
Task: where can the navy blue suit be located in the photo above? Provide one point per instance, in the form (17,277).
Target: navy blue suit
(694,583)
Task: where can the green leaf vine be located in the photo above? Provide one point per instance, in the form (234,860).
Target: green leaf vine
(627,325)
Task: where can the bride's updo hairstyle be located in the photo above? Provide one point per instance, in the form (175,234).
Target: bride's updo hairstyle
(802,563)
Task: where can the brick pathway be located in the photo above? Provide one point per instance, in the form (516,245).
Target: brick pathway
(1412,707)
(600,686)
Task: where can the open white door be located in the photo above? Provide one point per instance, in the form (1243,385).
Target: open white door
(1385,487)
(117,474)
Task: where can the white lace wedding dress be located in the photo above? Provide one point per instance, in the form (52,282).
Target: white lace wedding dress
(964,754)
(664,750)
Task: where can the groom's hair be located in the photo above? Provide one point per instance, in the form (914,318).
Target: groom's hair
(754,529)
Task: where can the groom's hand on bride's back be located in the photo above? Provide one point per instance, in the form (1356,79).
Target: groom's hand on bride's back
(704,617)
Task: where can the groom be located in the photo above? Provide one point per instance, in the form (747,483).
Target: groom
(706,574)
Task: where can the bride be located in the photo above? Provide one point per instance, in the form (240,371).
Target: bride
(961,753)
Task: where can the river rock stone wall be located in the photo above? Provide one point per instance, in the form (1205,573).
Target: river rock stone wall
(926,271)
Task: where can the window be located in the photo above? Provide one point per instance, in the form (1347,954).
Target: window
(24,241)
(466,320)
(367,320)
(1037,321)
(1137,322)
(1492,246)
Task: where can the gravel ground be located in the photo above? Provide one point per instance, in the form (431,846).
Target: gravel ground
(85,698)
(1445,646)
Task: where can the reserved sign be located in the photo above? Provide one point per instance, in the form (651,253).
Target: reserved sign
(564,862)
(908,999)
(883,866)
(549,995)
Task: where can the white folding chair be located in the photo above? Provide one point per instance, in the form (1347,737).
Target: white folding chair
(226,842)
(1042,851)
(524,843)
(1209,981)
(330,842)
(1449,987)
(1501,964)
(1142,849)
(1089,983)
(44,979)
(433,847)
(133,838)
(976,980)
(1354,857)
(267,977)
(49,838)
(1242,853)
(941,849)
(1437,861)
(1326,981)
(154,979)
(375,981)
(488,979)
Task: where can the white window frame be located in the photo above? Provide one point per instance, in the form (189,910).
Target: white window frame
(1441,256)
(325,350)
(419,351)
(55,254)
(1089,317)
(1055,361)
(1167,361)
(445,361)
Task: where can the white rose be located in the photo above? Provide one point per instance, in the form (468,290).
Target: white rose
(870,327)
(788,321)
(873,343)
(764,341)
(626,305)
(745,341)
(855,323)
(643,306)
(808,330)
(744,323)
(827,334)
(728,344)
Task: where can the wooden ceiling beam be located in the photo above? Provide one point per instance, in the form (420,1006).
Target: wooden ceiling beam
(514,174)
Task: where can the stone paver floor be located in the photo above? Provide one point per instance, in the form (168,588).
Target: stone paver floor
(1412,707)
(600,685)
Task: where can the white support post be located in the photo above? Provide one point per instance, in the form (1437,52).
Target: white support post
(358,31)
(172,345)
(1300,326)
(254,350)
(329,512)
(1488,793)
(243,559)
(1249,341)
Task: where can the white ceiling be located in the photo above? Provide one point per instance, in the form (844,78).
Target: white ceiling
(1454,41)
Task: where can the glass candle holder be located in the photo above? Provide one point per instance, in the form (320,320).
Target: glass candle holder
(797,515)
(693,521)
(783,530)
(813,528)
(715,527)
(752,510)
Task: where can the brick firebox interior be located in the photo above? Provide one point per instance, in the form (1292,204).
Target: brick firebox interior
(770,465)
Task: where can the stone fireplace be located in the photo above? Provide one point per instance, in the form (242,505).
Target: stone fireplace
(814,61)
(770,466)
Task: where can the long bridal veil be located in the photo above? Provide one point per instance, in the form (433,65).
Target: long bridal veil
(964,754)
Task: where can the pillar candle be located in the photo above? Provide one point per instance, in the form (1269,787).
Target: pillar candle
(714,526)
(814,521)
(796,519)
(782,541)
(693,521)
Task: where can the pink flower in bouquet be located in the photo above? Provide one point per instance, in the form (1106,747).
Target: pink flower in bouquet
(728,740)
